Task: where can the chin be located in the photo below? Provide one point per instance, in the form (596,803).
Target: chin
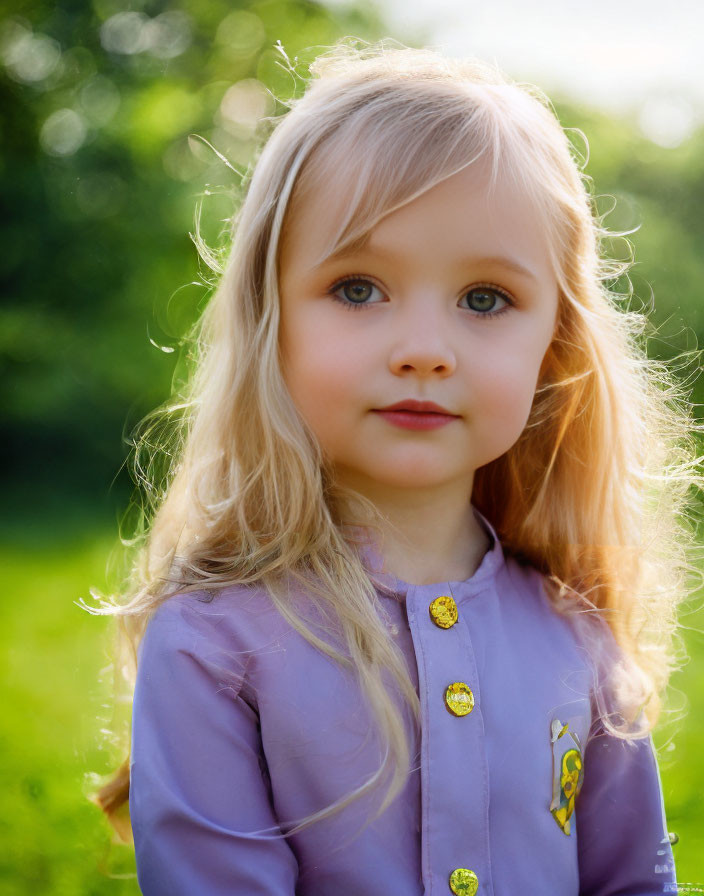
(418,479)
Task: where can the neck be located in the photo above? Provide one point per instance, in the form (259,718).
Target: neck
(428,539)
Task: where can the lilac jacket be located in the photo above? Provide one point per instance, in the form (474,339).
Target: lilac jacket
(240,725)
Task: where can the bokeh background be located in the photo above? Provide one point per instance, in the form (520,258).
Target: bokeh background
(121,118)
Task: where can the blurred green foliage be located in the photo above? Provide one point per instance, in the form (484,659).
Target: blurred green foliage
(101,173)
(100,178)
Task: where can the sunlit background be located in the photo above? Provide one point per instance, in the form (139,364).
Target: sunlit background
(120,118)
(638,57)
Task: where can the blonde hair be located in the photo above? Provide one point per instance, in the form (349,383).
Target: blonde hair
(593,493)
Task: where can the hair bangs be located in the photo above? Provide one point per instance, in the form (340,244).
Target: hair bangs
(390,149)
(389,160)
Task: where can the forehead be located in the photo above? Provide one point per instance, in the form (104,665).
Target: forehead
(479,211)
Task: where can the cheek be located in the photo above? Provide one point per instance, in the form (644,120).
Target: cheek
(322,375)
(506,397)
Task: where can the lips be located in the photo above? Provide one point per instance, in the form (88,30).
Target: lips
(418,407)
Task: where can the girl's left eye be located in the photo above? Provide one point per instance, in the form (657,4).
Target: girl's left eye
(357,290)
(484,299)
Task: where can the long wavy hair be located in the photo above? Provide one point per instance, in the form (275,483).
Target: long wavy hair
(595,492)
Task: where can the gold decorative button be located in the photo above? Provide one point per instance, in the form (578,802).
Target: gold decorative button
(443,611)
(464,882)
(459,699)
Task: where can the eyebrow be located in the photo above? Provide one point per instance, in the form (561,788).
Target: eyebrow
(494,260)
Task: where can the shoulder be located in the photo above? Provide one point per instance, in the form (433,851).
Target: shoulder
(584,625)
(574,629)
(547,635)
(240,624)
(614,680)
(218,630)
(217,614)
(531,591)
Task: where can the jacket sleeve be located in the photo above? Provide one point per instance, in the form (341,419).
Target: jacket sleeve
(199,787)
(622,837)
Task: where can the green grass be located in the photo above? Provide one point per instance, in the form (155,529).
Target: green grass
(54,840)
(57,700)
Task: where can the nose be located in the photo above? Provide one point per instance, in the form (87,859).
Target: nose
(422,343)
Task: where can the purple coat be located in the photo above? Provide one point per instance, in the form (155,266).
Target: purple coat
(241,727)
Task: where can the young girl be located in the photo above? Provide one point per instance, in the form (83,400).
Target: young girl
(405,614)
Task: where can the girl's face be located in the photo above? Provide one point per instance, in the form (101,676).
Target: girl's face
(453,301)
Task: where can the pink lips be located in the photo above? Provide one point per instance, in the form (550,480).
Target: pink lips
(419,415)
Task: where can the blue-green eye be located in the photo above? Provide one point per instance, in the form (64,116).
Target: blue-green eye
(482,300)
(355,292)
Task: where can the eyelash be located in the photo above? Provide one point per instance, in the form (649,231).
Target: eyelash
(358,306)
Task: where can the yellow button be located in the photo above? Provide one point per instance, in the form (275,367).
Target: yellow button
(464,882)
(459,698)
(443,611)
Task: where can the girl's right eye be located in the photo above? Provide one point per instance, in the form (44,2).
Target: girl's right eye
(355,292)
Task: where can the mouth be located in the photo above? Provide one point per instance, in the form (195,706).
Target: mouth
(411,406)
(407,415)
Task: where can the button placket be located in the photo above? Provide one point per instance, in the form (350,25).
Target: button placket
(459,700)
(456,801)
